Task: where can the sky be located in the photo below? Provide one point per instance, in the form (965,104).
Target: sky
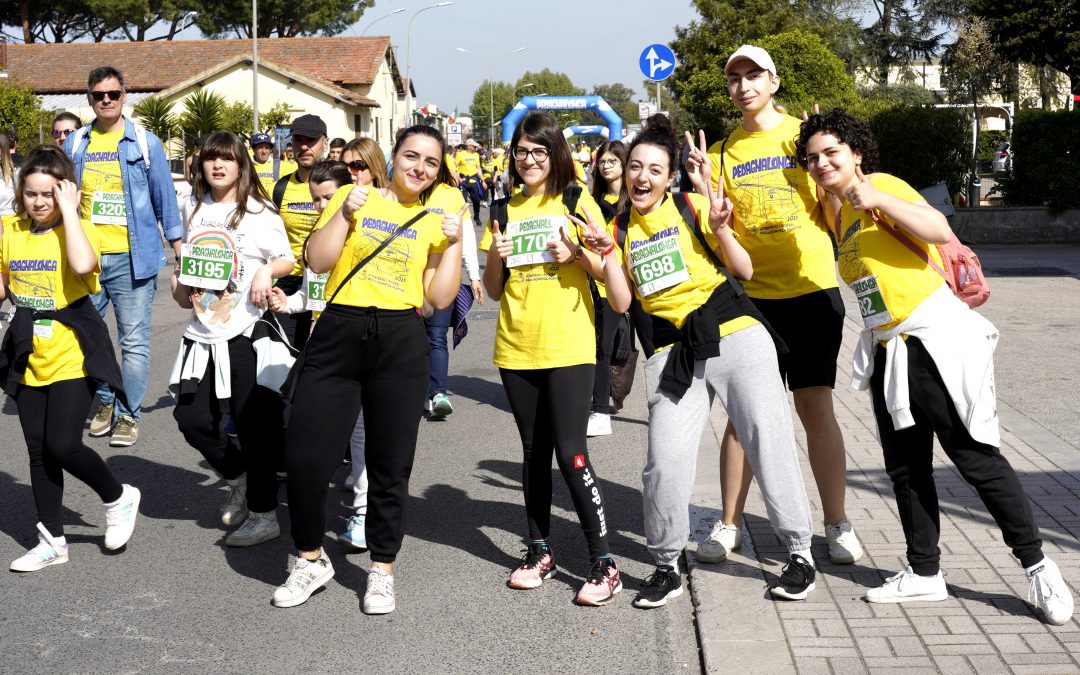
(592,41)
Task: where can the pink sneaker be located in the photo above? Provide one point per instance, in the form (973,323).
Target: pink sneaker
(601,585)
(536,565)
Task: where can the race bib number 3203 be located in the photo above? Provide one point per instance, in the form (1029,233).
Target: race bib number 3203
(208,267)
(656,265)
(530,238)
(108,208)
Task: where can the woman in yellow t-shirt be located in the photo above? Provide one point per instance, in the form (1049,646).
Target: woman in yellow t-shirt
(369,348)
(938,356)
(545,345)
(49,266)
(711,342)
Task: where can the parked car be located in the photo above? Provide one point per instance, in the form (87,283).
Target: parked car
(1003,158)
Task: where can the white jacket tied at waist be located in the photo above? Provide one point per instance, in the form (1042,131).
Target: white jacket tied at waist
(961,342)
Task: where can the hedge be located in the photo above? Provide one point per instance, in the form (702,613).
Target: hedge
(924,146)
(1046,160)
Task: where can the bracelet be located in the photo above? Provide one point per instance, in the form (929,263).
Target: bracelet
(608,251)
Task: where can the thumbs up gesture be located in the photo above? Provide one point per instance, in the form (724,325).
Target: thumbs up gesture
(863,196)
(563,249)
(501,243)
(451,224)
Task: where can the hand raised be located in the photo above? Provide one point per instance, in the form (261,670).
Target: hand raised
(67,195)
(563,249)
(698,166)
(356,199)
(863,196)
(502,244)
(451,224)
(596,238)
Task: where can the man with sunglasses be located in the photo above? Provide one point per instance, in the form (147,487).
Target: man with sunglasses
(129,198)
(63,126)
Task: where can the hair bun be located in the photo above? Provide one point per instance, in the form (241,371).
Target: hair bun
(659,124)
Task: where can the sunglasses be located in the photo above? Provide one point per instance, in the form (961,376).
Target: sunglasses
(62,133)
(114,95)
(358,165)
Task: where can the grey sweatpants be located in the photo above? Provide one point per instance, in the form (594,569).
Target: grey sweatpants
(746,378)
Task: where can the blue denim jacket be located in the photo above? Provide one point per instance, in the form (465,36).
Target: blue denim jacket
(149,196)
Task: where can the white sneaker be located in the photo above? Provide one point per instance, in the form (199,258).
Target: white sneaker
(379,596)
(306,577)
(49,551)
(258,527)
(909,587)
(599,425)
(721,541)
(234,511)
(1049,593)
(844,545)
(120,518)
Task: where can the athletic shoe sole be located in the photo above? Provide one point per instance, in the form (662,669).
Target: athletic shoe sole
(100,434)
(384,609)
(845,560)
(701,556)
(252,542)
(441,411)
(39,565)
(114,443)
(781,592)
(349,545)
(645,603)
(539,581)
(601,603)
(895,600)
(316,583)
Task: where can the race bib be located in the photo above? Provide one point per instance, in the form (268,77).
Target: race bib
(657,265)
(530,238)
(315,285)
(41,303)
(208,267)
(108,208)
(43,328)
(871,303)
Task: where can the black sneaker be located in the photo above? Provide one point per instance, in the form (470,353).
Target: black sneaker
(796,581)
(662,584)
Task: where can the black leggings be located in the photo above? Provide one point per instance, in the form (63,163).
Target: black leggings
(909,458)
(52,419)
(257,415)
(551,408)
(377,358)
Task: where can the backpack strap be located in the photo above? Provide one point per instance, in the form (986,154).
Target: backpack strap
(690,217)
(622,220)
(570,198)
(279,190)
(140,138)
(904,239)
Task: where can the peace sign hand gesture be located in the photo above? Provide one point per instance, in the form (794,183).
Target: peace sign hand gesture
(863,196)
(596,238)
(698,167)
(720,209)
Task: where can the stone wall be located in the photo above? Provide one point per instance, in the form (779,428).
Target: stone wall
(1016,225)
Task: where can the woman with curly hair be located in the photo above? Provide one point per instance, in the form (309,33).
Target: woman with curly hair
(927,359)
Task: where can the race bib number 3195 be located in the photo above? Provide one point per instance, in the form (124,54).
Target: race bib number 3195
(530,238)
(208,267)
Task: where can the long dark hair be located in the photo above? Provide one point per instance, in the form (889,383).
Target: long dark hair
(229,146)
(49,160)
(542,129)
(430,132)
(600,184)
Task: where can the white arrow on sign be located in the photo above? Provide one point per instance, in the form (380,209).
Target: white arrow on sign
(656,63)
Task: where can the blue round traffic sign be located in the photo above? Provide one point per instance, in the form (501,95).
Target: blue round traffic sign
(657,62)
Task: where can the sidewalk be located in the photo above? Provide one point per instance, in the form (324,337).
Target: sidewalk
(984,626)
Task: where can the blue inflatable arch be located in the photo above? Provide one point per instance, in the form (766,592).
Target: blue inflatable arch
(597,103)
(586,130)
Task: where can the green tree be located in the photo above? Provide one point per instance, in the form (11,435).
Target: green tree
(620,97)
(156,114)
(809,73)
(281,18)
(237,118)
(1041,32)
(20,111)
(503,95)
(553,84)
(204,112)
(904,31)
(97,20)
(279,115)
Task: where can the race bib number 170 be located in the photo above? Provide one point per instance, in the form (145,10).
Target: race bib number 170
(530,238)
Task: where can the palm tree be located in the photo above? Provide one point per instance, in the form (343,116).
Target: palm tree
(156,114)
(203,113)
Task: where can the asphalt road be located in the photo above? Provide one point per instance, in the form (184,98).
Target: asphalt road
(177,600)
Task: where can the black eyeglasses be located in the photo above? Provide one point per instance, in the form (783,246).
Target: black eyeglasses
(62,133)
(113,94)
(539,154)
(358,165)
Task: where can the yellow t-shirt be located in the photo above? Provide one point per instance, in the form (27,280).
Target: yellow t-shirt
(102,187)
(265,172)
(672,274)
(298,212)
(777,216)
(468,163)
(579,172)
(39,278)
(285,167)
(889,280)
(546,319)
(395,278)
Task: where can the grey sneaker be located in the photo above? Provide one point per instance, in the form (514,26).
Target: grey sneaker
(258,527)
(103,422)
(235,509)
(126,432)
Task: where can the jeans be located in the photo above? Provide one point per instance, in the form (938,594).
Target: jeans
(437,325)
(132,300)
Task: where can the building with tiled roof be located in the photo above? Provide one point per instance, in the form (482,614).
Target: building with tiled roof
(352,83)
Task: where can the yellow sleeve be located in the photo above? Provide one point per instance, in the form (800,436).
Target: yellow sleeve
(333,206)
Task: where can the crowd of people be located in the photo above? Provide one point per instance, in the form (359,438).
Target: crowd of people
(321,298)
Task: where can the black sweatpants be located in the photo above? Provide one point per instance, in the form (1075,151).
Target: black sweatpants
(909,463)
(377,358)
(257,415)
(52,419)
(551,409)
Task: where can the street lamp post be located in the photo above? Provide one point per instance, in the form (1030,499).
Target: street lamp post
(524,86)
(255,65)
(408,57)
(491,87)
(384,16)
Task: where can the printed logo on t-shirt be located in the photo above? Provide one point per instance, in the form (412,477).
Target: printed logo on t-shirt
(33,283)
(766,196)
(216,263)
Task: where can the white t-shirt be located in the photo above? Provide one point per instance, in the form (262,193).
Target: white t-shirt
(258,239)
(7,193)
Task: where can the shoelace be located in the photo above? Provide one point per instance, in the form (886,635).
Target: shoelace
(1039,590)
(795,567)
(379,584)
(599,572)
(302,573)
(532,557)
(657,578)
(124,426)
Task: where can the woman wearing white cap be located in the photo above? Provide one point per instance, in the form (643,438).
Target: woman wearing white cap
(781,223)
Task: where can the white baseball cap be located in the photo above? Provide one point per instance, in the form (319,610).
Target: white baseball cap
(756,55)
